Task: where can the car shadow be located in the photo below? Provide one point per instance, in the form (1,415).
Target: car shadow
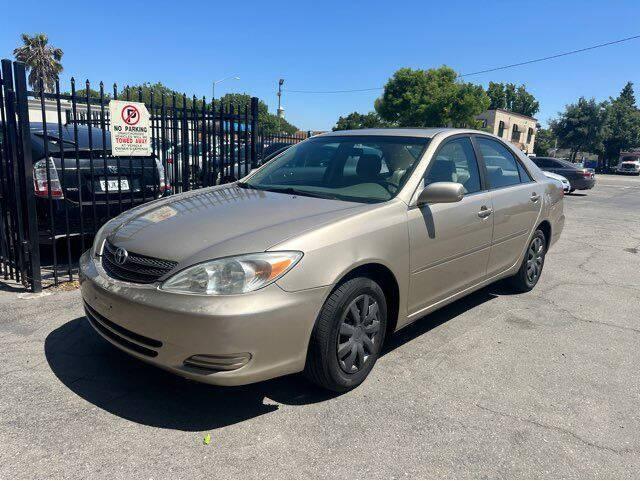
(126,387)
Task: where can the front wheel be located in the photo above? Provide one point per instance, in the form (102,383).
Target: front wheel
(531,268)
(348,335)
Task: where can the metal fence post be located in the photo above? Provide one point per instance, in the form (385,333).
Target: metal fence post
(185,146)
(254,131)
(22,110)
(13,197)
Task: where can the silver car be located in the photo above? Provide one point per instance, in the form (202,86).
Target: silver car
(313,260)
(566,185)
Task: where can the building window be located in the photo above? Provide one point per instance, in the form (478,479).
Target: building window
(515,134)
(500,128)
(529,135)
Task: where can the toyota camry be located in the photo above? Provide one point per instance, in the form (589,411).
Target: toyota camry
(312,261)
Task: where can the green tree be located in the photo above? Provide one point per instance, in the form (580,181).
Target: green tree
(270,123)
(434,97)
(581,127)
(525,103)
(509,97)
(145,90)
(357,120)
(497,96)
(544,142)
(622,125)
(41,59)
(81,93)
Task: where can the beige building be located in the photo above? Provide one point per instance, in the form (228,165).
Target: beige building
(518,129)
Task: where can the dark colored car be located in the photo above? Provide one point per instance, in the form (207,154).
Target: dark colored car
(83,181)
(274,153)
(579,177)
(274,148)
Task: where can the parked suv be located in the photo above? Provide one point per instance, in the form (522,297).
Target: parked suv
(629,164)
(85,177)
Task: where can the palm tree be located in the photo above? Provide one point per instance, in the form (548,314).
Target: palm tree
(42,60)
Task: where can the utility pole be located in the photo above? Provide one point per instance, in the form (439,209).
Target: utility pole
(280,109)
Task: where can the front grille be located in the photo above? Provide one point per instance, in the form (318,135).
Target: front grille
(120,335)
(136,268)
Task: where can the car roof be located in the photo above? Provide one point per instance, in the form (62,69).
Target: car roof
(395,132)
(566,163)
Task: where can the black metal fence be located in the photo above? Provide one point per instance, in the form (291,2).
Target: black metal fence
(59,182)
(269,142)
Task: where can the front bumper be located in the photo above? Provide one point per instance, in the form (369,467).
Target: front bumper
(263,334)
(634,171)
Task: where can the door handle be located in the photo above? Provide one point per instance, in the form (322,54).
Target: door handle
(535,197)
(485,212)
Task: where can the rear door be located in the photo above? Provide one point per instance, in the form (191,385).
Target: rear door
(449,243)
(516,200)
(565,170)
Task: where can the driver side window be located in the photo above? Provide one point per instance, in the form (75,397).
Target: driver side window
(455,162)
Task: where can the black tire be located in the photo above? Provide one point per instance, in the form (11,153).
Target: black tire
(336,327)
(531,268)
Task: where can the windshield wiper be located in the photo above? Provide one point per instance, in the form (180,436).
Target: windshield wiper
(245,185)
(294,191)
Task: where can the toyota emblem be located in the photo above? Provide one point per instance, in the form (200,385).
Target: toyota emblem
(120,256)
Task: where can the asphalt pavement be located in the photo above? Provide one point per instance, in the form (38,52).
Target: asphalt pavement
(543,384)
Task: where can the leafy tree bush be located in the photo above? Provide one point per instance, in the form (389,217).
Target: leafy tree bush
(581,127)
(544,142)
(357,120)
(507,96)
(622,127)
(430,98)
(41,59)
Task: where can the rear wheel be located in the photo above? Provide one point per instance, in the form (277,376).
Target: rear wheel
(531,268)
(348,335)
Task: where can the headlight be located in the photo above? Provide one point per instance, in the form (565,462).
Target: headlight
(232,275)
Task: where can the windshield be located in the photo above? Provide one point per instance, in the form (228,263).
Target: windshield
(353,168)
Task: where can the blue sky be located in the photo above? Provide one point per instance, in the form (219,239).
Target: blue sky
(334,45)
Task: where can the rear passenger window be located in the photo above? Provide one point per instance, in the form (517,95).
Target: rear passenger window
(524,175)
(502,167)
(456,162)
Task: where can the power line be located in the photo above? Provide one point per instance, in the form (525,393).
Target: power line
(542,59)
(332,91)
(519,64)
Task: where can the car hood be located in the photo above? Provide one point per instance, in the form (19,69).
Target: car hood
(222,221)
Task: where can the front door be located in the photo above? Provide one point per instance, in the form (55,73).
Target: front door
(449,243)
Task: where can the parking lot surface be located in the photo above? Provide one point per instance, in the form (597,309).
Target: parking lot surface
(544,384)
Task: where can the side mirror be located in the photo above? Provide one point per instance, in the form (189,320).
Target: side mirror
(441,193)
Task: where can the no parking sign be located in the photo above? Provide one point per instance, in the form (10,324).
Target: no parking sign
(130,129)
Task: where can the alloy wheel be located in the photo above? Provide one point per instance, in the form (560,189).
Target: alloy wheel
(358,334)
(535,259)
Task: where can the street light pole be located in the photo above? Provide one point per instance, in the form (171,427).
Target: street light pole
(280,109)
(213,85)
